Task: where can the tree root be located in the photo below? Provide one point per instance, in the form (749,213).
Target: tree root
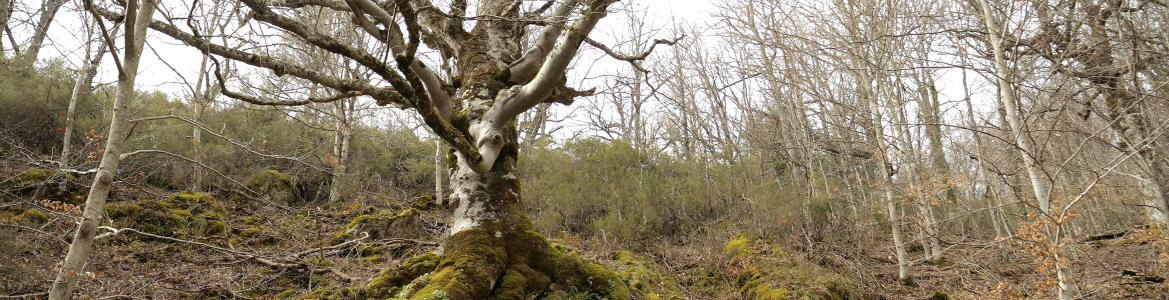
(485,263)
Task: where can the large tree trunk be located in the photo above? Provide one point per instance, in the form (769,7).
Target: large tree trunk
(75,259)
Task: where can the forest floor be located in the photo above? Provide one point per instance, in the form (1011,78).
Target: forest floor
(230,262)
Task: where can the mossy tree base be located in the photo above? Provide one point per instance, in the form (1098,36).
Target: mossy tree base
(491,262)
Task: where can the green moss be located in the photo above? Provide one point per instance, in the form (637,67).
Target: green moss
(280,187)
(642,278)
(422,201)
(192,198)
(286,293)
(31,217)
(758,288)
(778,276)
(32,175)
(403,274)
(603,281)
(183,214)
(319,262)
(504,76)
(739,246)
(938,262)
(369,250)
(382,225)
(256,293)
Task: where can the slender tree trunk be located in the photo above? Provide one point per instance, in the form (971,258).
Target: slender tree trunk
(80,87)
(993,206)
(5,12)
(341,138)
(1008,101)
(199,98)
(438,173)
(82,243)
(877,135)
(1022,140)
(48,11)
(930,243)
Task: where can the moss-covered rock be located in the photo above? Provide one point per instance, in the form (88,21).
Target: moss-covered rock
(643,279)
(30,217)
(422,202)
(279,187)
(28,177)
(183,214)
(382,225)
(763,271)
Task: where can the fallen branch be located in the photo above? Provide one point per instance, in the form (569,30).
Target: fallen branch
(25,296)
(289,262)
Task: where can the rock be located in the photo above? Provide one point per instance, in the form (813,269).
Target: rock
(383,225)
(276,186)
(183,214)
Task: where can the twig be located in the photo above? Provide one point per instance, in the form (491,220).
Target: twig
(57,238)
(25,296)
(229,140)
(632,59)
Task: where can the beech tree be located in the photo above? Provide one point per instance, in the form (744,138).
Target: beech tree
(494,79)
(71,269)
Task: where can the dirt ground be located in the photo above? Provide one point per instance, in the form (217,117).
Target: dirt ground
(133,266)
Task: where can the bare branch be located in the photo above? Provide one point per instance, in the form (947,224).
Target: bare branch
(383,95)
(229,140)
(335,5)
(633,59)
(488,131)
(331,44)
(552,71)
(523,69)
(104,33)
(253,100)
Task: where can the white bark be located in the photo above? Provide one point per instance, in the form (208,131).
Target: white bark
(341,138)
(527,66)
(1008,101)
(912,168)
(878,136)
(486,132)
(48,11)
(79,249)
(438,173)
